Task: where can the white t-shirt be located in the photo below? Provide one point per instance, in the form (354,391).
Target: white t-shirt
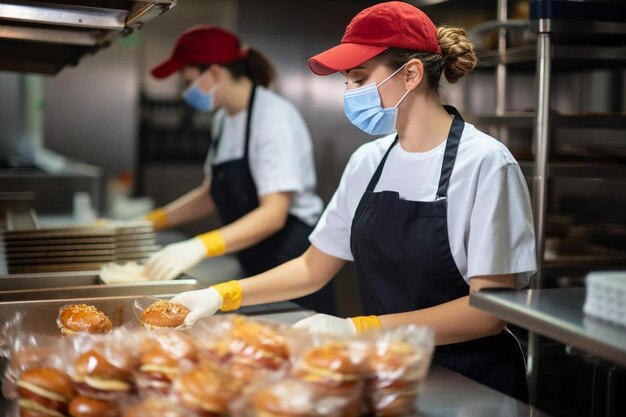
(490,224)
(281,151)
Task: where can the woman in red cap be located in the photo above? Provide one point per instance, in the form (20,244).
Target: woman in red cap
(260,173)
(429,213)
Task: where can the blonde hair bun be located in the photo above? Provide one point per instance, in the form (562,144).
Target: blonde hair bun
(459,56)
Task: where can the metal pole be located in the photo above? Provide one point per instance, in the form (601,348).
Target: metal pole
(501,71)
(540,180)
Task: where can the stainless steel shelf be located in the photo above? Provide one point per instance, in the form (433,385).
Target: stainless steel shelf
(565,57)
(526,120)
(69,30)
(557,314)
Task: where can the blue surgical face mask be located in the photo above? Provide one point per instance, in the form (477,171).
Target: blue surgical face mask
(198,99)
(364,109)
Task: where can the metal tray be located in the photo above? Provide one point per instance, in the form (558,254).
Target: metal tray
(88,291)
(48,280)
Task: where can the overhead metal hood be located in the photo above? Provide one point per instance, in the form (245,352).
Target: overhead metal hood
(47,35)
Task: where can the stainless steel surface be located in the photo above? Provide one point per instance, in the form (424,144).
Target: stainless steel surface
(49,35)
(557,314)
(540,184)
(447,394)
(65,15)
(101,290)
(68,31)
(47,280)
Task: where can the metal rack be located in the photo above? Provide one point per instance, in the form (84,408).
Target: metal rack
(68,29)
(571,37)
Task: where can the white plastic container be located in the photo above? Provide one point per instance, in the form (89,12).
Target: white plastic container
(606,296)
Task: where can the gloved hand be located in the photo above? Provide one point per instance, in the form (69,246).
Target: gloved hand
(323,323)
(201,303)
(158,217)
(174,259)
(226,296)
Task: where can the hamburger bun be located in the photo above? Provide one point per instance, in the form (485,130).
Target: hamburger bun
(295,398)
(89,407)
(96,377)
(157,370)
(45,391)
(330,364)
(155,407)
(257,343)
(83,318)
(207,390)
(163,314)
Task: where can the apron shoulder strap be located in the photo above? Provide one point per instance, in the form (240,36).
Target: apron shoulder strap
(216,140)
(379,169)
(449,156)
(249,122)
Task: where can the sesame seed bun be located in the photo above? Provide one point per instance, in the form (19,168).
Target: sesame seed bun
(163,314)
(83,318)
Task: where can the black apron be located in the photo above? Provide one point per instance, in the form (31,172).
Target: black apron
(404,263)
(234,193)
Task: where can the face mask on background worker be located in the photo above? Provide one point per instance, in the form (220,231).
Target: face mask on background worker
(198,99)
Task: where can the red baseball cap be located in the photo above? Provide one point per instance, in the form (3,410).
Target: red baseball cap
(375,29)
(200,45)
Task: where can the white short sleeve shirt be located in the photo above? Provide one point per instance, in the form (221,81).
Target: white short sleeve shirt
(281,152)
(490,224)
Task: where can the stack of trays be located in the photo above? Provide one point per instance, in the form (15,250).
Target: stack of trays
(75,249)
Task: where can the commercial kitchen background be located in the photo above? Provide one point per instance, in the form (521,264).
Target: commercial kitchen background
(93,112)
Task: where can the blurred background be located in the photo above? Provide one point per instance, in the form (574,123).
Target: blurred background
(98,131)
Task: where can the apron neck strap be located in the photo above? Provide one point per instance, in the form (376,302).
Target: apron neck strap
(379,170)
(248,122)
(449,156)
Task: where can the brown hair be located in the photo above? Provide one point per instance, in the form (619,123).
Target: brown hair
(253,65)
(457,58)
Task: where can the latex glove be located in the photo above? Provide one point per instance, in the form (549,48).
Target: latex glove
(158,217)
(323,323)
(174,259)
(226,296)
(201,303)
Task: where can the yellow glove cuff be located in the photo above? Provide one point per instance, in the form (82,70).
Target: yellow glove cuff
(231,295)
(158,218)
(213,242)
(366,323)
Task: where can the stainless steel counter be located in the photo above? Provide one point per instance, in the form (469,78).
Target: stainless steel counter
(557,314)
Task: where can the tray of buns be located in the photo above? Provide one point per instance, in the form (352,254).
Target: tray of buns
(41,315)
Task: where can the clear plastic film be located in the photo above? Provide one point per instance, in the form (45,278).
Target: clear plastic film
(294,397)
(102,368)
(396,367)
(170,316)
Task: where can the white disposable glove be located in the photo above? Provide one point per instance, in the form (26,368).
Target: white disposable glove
(323,323)
(201,303)
(174,259)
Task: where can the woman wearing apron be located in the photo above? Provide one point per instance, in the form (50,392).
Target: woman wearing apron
(260,171)
(429,213)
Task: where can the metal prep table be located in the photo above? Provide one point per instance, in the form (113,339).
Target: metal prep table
(557,314)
